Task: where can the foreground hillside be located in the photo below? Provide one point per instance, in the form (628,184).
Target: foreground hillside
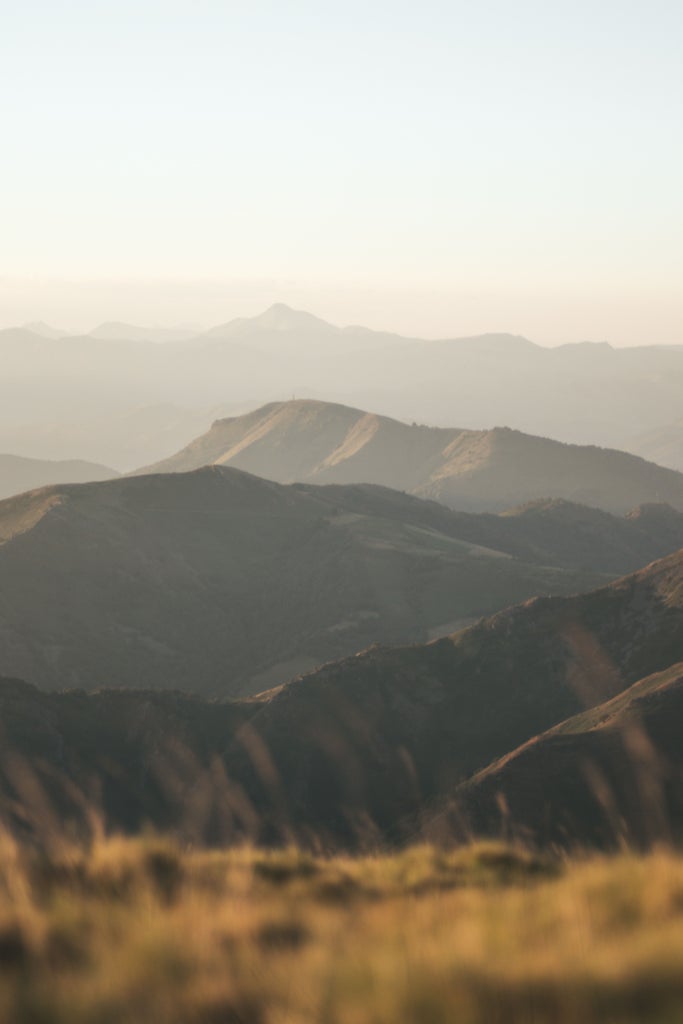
(133,931)
(220,582)
(367,742)
(610,775)
(557,720)
(19,474)
(476,470)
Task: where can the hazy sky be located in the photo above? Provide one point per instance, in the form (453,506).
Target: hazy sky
(436,167)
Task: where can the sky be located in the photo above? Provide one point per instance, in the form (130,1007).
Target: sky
(439,169)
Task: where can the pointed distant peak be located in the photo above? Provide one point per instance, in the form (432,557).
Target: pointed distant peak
(278,318)
(44,330)
(281,317)
(281,309)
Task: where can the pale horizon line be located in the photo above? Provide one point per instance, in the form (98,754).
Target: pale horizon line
(196,329)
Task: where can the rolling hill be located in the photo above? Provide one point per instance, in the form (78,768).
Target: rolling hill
(220,582)
(19,474)
(357,749)
(489,470)
(537,721)
(133,758)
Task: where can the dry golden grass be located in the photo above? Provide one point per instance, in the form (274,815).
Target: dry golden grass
(136,931)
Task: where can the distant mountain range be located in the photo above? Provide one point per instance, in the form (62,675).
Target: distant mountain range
(465,469)
(18,474)
(557,720)
(90,386)
(116,331)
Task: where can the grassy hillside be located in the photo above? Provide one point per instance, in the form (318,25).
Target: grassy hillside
(483,935)
(18,474)
(609,776)
(547,531)
(360,751)
(220,582)
(128,759)
(364,743)
(475,470)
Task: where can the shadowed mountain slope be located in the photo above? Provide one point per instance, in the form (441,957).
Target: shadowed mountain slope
(358,751)
(18,474)
(473,470)
(217,581)
(608,776)
(122,759)
(365,743)
(547,532)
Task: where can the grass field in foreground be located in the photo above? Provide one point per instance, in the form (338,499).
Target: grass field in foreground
(136,931)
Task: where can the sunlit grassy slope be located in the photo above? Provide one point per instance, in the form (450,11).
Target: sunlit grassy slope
(136,931)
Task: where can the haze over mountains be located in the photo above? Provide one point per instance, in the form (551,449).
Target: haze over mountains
(663,445)
(17,474)
(338,592)
(464,469)
(68,397)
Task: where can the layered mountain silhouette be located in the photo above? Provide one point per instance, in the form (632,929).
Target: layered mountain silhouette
(19,474)
(557,719)
(584,393)
(218,581)
(488,470)
(370,740)
(44,330)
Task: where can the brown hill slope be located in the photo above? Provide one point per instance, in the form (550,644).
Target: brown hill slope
(482,470)
(364,743)
(548,532)
(123,759)
(357,751)
(221,582)
(610,775)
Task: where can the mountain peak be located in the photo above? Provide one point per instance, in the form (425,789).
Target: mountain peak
(278,318)
(44,330)
(281,317)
